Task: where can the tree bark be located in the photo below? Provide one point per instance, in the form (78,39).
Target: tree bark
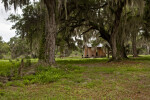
(134,49)
(121,50)
(113,46)
(115,31)
(50,31)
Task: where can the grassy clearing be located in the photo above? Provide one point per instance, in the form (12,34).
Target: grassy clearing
(78,79)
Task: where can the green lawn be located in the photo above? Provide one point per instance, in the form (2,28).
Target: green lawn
(79,79)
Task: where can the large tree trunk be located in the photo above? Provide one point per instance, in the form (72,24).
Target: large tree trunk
(134,49)
(113,38)
(113,46)
(50,31)
(118,48)
(121,50)
(115,30)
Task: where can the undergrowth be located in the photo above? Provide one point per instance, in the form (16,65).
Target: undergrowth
(49,74)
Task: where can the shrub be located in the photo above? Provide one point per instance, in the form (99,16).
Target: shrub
(26,82)
(45,75)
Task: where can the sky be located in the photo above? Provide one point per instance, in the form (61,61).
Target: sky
(5,26)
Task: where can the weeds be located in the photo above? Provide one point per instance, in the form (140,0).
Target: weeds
(15,83)
(49,74)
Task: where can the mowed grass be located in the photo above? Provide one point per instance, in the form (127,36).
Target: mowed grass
(79,79)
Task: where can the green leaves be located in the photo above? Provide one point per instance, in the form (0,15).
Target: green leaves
(4,48)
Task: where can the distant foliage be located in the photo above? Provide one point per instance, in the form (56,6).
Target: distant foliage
(19,47)
(4,48)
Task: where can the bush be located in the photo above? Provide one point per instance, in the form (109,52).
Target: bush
(44,75)
(26,82)
(49,74)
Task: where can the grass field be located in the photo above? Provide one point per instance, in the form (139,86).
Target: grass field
(80,79)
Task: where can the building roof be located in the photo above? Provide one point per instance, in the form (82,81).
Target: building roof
(90,45)
(100,45)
